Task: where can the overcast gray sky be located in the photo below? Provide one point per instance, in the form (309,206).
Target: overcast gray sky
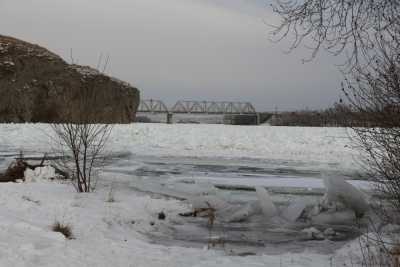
(179,49)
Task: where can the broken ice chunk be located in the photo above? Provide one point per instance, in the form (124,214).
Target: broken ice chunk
(204,202)
(338,190)
(266,204)
(243,213)
(295,209)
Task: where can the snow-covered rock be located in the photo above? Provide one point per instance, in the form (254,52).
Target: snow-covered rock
(267,206)
(39,173)
(338,190)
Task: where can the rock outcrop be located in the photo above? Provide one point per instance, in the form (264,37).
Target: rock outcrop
(39,86)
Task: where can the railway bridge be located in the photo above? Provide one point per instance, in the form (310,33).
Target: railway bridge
(233,111)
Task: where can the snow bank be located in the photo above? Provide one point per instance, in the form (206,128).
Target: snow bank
(107,234)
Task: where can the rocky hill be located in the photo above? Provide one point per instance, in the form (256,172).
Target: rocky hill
(36,85)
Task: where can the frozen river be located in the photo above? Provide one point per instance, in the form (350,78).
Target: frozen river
(240,174)
(288,181)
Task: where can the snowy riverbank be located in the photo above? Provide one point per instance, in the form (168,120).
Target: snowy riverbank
(116,233)
(110,233)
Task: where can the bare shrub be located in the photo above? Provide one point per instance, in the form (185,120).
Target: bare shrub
(374,93)
(368,33)
(81,140)
(81,135)
(82,146)
(64,229)
(375,254)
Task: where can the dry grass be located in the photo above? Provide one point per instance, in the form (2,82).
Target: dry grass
(64,229)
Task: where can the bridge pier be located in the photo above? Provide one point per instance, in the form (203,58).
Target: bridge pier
(242,119)
(169,118)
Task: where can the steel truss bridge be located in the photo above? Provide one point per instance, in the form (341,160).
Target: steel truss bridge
(197,107)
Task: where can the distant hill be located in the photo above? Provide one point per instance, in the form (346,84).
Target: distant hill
(37,85)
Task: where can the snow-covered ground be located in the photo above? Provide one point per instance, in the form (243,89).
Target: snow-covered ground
(109,233)
(116,233)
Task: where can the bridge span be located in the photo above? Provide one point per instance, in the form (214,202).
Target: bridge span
(230,110)
(199,107)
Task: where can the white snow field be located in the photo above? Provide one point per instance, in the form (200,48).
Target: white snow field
(117,232)
(320,147)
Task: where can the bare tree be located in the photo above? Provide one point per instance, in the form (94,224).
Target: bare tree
(81,141)
(81,146)
(374,93)
(368,33)
(339,26)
